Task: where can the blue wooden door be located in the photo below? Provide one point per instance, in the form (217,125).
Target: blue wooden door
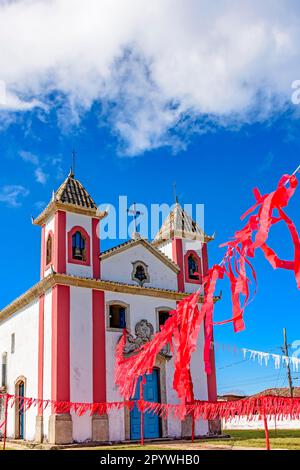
(151,421)
(21,411)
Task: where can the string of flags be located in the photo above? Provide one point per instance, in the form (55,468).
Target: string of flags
(262,357)
(250,408)
(279,360)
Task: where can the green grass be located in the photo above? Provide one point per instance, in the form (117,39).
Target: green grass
(285,439)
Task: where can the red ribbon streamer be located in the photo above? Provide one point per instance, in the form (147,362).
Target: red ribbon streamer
(250,408)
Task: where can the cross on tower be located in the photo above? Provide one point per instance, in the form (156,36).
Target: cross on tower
(135,213)
(175,193)
(73,162)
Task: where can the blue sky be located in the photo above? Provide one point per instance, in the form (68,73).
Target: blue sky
(149,95)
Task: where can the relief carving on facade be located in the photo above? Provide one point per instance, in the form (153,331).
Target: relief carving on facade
(144,332)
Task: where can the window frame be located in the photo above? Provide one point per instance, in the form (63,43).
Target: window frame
(162,309)
(49,235)
(135,264)
(119,303)
(85,235)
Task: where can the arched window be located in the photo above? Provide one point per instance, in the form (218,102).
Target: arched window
(49,249)
(19,408)
(193,267)
(78,247)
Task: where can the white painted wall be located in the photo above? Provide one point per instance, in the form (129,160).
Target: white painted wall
(23,362)
(174,425)
(166,249)
(81,358)
(84,221)
(116,419)
(200,381)
(242,423)
(119,268)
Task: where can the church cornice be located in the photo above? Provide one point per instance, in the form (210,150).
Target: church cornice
(163,238)
(54,206)
(63,279)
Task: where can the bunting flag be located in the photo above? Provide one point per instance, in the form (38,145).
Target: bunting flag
(250,408)
(59,407)
(262,357)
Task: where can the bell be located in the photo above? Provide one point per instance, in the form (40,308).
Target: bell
(77,251)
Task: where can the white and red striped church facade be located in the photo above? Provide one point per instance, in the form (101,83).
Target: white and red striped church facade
(58,339)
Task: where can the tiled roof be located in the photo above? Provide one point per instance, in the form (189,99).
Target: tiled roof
(279,392)
(180,224)
(72,192)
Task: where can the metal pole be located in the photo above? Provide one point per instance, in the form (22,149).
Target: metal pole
(266,432)
(286,352)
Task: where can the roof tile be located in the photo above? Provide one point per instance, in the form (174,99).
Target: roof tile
(73,192)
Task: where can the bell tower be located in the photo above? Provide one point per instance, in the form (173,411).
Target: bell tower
(181,238)
(184,242)
(70,234)
(70,246)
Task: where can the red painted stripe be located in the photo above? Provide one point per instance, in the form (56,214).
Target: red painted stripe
(211,379)
(99,358)
(177,253)
(60,354)
(96,248)
(41,352)
(42,252)
(204,259)
(60,242)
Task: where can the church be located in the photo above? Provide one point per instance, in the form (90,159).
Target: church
(58,339)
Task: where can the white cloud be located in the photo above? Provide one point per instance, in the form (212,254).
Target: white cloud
(11,194)
(29,157)
(40,176)
(154,65)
